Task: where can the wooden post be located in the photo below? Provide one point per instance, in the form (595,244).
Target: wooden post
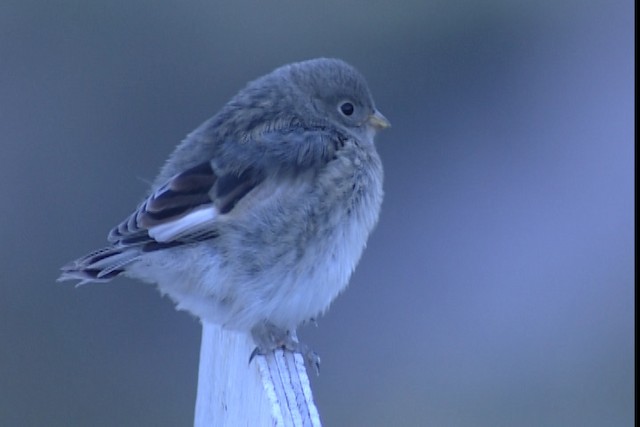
(273,390)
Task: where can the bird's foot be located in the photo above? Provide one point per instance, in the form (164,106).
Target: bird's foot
(269,337)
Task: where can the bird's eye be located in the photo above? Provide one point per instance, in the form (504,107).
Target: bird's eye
(347,108)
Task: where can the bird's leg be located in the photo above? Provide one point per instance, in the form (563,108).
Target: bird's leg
(269,337)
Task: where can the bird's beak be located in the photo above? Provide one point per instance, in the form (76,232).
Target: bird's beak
(378,121)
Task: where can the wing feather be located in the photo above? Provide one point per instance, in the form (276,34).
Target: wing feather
(184,209)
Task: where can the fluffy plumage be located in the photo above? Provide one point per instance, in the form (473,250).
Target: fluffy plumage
(261,214)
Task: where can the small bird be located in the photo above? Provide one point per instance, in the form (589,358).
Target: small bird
(259,217)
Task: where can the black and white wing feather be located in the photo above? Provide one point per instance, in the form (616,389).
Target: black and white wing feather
(182,211)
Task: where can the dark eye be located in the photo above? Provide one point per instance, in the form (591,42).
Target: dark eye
(347,108)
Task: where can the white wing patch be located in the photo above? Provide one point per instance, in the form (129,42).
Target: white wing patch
(194,222)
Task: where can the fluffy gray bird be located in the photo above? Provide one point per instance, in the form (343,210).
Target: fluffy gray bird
(260,215)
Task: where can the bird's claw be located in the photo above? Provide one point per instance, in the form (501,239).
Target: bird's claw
(269,337)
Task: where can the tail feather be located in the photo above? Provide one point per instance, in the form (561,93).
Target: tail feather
(99,266)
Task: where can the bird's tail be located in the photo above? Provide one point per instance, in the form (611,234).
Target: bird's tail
(100,266)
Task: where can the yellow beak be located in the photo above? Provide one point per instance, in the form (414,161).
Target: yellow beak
(378,121)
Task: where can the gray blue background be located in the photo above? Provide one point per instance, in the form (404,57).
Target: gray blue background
(498,287)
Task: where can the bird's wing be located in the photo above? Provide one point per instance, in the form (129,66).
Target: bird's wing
(185,208)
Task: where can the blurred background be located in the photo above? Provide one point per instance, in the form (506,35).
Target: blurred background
(498,287)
